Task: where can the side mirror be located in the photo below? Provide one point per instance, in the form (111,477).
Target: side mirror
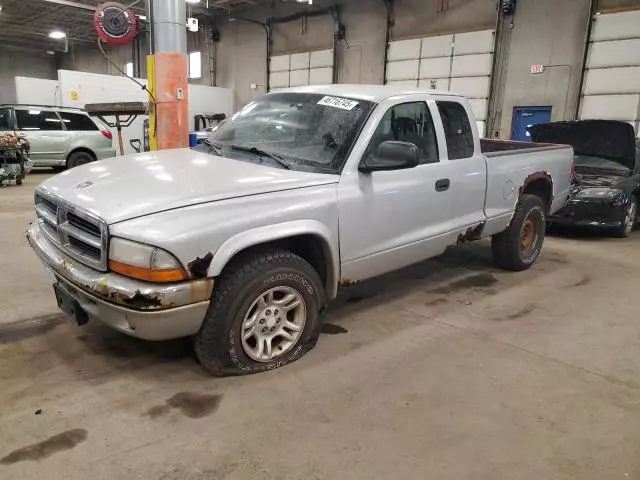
(391,155)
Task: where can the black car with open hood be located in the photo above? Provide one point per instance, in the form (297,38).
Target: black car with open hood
(607,180)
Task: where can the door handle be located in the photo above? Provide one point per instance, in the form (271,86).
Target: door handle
(443,185)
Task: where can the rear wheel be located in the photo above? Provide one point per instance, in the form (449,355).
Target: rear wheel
(518,247)
(264,314)
(79,158)
(629,221)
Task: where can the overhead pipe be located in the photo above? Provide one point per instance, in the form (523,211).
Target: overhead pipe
(337,37)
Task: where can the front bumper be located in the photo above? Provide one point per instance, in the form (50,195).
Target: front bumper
(141,309)
(590,214)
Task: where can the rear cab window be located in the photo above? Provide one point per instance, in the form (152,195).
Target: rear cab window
(457,130)
(34,120)
(78,122)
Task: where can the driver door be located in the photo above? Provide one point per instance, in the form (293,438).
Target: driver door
(390,219)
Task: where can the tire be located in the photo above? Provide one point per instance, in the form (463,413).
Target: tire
(629,220)
(242,294)
(79,158)
(518,247)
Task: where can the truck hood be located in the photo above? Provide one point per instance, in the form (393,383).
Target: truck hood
(608,139)
(132,186)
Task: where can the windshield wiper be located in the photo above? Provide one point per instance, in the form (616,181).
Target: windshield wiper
(272,156)
(214,146)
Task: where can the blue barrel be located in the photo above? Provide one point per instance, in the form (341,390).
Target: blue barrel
(193,140)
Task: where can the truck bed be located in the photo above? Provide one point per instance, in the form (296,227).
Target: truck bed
(510,165)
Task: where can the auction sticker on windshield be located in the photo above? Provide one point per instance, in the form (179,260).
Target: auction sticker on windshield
(338,102)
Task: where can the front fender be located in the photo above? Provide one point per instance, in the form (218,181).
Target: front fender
(280,231)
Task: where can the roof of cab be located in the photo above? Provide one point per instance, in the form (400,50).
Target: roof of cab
(372,93)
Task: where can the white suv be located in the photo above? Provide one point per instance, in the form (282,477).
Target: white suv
(60,137)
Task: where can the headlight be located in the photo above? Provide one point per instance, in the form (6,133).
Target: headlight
(603,193)
(144,262)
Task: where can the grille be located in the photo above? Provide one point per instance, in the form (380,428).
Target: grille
(79,234)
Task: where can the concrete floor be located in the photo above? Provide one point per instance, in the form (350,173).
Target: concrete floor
(450,369)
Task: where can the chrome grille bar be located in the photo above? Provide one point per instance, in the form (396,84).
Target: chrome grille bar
(78,233)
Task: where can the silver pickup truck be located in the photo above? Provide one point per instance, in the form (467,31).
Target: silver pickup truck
(242,244)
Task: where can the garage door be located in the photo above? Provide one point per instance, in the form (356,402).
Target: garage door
(611,87)
(460,63)
(298,69)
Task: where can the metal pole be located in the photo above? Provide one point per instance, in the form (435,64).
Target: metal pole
(169,26)
(167,71)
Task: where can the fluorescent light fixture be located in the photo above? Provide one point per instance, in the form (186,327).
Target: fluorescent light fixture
(57,34)
(195,65)
(128,68)
(192,1)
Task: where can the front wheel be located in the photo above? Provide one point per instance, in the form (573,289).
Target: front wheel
(264,314)
(518,247)
(629,220)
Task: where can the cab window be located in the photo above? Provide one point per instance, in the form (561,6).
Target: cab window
(408,122)
(457,130)
(5,120)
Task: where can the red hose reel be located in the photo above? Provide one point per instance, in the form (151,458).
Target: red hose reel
(114,24)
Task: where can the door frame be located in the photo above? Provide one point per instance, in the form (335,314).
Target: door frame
(535,108)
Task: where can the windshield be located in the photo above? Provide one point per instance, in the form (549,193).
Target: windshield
(307,131)
(586,161)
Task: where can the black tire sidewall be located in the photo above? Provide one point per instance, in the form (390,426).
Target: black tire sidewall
(79,158)
(539,212)
(226,320)
(623,233)
(506,246)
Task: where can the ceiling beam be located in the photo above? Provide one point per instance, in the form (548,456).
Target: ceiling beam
(68,3)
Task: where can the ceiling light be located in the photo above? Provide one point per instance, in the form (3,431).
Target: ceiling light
(57,34)
(50,52)
(192,1)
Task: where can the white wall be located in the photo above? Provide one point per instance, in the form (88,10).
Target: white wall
(76,89)
(37,91)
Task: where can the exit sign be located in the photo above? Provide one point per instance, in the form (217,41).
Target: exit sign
(537,68)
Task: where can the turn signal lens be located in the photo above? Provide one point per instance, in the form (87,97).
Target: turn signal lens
(148,274)
(144,262)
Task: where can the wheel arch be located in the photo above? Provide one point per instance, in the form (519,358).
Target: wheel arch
(308,239)
(541,185)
